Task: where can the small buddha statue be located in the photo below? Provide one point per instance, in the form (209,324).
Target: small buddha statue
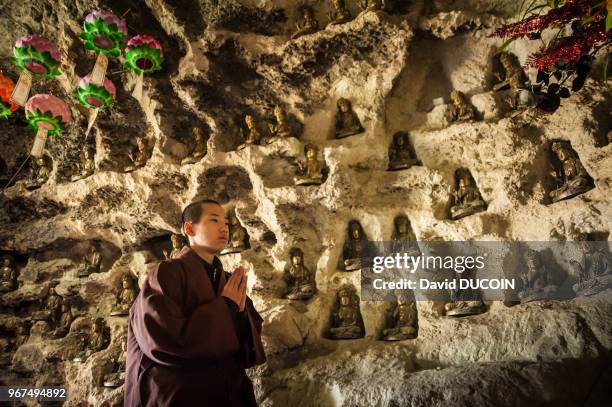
(117,377)
(299,279)
(238,235)
(538,281)
(39,173)
(403,237)
(282,128)
(139,159)
(346,321)
(339,13)
(52,308)
(460,110)
(93,260)
(594,269)
(22,334)
(65,320)
(571,177)
(96,341)
(353,246)
(347,122)
(309,24)
(8,275)
(401,155)
(87,166)
(403,321)
(512,73)
(467,197)
(177,245)
(464,301)
(253,135)
(372,5)
(199,149)
(309,172)
(126,296)
(464,308)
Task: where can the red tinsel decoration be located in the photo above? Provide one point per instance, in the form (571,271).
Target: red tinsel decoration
(570,48)
(570,10)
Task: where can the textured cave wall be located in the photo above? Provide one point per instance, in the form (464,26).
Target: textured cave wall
(225,59)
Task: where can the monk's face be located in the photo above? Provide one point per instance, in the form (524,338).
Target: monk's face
(211,231)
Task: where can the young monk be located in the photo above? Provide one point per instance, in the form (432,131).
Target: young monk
(192,329)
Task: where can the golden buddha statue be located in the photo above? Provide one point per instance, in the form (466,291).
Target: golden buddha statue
(346,320)
(299,279)
(39,173)
(282,128)
(126,296)
(464,301)
(309,24)
(403,321)
(8,274)
(96,341)
(93,260)
(177,245)
(52,308)
(347,122)
(140,157)
(460,110)
(339,13)
(65,320)
(401,156)
(570,175)
(87,166)
(372,6)
(238,235)
(511,74)
(253,135)
(309,172)
(353,246)
(594,270)
(467,197)
(538,281)
(199,150)
(404,239)
(117,377)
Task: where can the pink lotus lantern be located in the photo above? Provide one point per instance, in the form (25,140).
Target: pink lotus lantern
(144,55)
(46,114)
(105,34)
(95,98)
(36,56)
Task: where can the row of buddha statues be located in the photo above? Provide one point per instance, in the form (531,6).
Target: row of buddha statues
(539,283)
(339,14)
(567,172)
(96,339)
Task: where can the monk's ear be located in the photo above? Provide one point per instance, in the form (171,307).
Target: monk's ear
(188,229)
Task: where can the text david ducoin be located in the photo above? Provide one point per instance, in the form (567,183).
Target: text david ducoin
(463,283)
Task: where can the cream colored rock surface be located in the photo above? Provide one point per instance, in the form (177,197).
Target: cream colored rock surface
(228,59)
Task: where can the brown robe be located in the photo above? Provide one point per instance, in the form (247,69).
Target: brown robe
(184,347)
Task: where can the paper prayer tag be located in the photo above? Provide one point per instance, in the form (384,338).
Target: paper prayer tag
(93,114)
(99,70)
(39,142)
(137,93)
(22,88)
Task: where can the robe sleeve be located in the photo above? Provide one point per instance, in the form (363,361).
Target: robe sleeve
(170,337)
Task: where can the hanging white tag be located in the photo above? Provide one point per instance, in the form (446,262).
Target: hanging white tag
(39,142)
(99,71)
(22,89)
(137,93)
(93,114)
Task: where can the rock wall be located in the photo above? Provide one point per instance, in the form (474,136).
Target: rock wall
(228,59)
